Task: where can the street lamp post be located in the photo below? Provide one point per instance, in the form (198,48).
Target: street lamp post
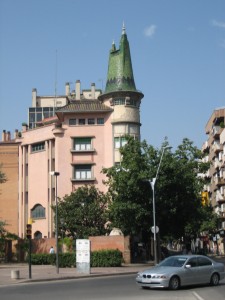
(152,183)
(56,174)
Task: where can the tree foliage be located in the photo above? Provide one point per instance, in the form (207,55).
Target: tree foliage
(83,213)
(179,212)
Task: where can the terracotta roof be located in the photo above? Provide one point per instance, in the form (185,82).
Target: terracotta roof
(85,106)
(48,120)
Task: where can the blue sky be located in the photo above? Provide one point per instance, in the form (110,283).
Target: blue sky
(177,49)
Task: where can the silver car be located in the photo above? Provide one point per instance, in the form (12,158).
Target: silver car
(181,270)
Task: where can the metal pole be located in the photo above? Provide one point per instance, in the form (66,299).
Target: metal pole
(153,203)
(154,222)
(56,226)
(30,274)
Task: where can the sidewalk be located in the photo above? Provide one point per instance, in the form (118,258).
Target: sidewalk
(48,272)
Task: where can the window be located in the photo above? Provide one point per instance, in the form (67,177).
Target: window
(119,101)
(119,142)
(100,121)
(91,121)
(38,235)
(72,122)
(38,147)
(192,262)
(36,114)
(81,121)
(82,144)
(38,212)
(203,261)
(82,172)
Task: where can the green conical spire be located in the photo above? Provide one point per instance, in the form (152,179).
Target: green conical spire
(120,73)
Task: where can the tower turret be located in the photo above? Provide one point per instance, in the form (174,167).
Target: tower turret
(120,73)
(121,94)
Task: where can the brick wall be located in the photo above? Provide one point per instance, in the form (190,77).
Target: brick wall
(120,242)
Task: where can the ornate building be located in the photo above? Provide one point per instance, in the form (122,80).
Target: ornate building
(82,136)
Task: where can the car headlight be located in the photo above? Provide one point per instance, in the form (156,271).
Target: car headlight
(139,275)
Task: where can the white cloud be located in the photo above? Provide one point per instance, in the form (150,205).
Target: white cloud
(150,31)
(218,24)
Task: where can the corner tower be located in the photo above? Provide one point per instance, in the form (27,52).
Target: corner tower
(121,94)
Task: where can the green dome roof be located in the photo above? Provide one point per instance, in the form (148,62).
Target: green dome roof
(120,73)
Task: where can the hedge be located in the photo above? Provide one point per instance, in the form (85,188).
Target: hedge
(102,258)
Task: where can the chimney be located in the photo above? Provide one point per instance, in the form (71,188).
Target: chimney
(67,88)
(34,97)
(8,136)
(16,133)
(77,88)
(3,135)
(93,91)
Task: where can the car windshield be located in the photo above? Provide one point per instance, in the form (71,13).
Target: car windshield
(173,262)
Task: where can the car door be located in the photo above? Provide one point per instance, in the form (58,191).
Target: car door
(204,269)
(191,275)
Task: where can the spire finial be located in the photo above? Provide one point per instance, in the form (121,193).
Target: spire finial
(123,29)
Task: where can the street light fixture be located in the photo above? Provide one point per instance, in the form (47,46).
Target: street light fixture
(56,174)
(152,183)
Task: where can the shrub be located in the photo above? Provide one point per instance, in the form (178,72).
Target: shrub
(106,258)
(102,258)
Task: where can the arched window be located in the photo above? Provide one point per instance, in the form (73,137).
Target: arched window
(38,235)
(37,212)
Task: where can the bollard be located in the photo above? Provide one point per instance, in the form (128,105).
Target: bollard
(15,274)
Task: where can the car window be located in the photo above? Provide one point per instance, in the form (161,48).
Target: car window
(203,261)
(193,262)
(173,262)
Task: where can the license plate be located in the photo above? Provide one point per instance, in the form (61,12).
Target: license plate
(146,280)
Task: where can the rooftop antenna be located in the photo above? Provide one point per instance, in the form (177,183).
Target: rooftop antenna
(123,28)
(56,73)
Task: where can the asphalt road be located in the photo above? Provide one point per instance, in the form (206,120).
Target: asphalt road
(105,288)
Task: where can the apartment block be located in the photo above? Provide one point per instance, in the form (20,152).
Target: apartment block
(214,148)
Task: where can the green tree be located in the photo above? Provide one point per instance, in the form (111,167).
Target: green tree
(177,189)
(83,212)
(129,208)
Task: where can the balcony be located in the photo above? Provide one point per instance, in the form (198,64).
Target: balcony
(205,147)
(217,164)
(217,147)
(216,131)
(219,181)
(87,150)
(205,159)
(220,198)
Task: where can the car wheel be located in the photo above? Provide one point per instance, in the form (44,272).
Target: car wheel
(174,283)
(214,279)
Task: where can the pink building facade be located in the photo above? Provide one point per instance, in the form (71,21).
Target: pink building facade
(82,136)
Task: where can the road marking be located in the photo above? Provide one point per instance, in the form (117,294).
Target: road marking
(197,296)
